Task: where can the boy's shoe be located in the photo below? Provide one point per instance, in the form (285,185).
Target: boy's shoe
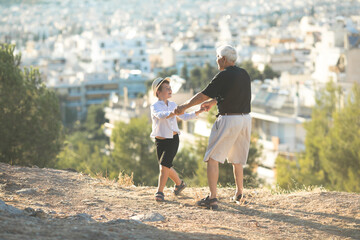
(178,188)
(159,197)
(208,203)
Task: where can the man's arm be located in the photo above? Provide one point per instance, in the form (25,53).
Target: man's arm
(195,100)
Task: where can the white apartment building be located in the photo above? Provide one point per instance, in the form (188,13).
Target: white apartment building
(278,117)
(83,90)
(193,54)
(338,48)
(118,52)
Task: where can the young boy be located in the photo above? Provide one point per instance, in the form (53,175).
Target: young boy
(166,133)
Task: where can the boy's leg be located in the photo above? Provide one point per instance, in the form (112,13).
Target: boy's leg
(238,176)
(213,176)
(163,177)
(174,176)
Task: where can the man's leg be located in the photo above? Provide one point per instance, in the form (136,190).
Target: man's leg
(163,177)
(213,176)
(238,176)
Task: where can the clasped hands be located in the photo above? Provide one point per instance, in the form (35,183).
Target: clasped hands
(180,110)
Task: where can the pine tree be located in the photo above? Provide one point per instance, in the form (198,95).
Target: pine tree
(29,114)
(312,170)
(341,151)
(253,72)
(135,152)
(200,149)
(269,73)
(332,156)
(185,75)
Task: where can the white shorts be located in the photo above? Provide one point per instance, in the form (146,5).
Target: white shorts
(230,138)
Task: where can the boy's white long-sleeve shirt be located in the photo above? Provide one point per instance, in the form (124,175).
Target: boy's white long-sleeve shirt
(163,126)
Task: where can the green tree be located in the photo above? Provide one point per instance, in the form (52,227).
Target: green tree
(252,71)
(195,78)
(200,149)
(251,179)
(332,156)
(68,114)
(269,73)
(84,149)
(287,173)
(167,72)
(95,118)
(185,75)
(310,167)
(29,114)
(207,74)
(341,148)
(185,163)
(200,77)
(134,151)
(312,171)
(87,156)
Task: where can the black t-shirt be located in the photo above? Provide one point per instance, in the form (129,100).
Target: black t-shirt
(232,90)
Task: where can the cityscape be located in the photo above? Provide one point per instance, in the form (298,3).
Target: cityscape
(94,51)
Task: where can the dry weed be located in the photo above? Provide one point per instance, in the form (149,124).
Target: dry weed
(104,180)
(296,189)
(125,180)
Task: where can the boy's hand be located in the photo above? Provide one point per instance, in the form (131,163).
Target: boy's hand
(179,110)
(199,111)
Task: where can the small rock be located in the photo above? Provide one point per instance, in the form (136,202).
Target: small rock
(107,209)
(82,217)
(70,170)
(26,191)
(116,221)
(35,213)
(101,217)
(149,217)
(9,209)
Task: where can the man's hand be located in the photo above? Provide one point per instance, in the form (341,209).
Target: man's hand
(208,105)
(179,110)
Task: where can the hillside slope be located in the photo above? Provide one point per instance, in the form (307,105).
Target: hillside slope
(53,204)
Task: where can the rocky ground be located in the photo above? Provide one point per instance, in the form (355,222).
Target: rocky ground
(54,204)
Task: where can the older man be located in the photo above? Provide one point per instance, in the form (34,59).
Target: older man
(230,89)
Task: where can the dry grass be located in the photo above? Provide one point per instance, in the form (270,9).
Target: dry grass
(125,180)
(297,188)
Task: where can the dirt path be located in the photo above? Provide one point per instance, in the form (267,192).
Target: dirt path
(67,205)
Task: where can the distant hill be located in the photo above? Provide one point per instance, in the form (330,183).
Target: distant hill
(54,204)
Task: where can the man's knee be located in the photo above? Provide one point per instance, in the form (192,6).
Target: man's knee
(237,165)
(212,162)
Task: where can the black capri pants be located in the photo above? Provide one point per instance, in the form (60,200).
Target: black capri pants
(166,150)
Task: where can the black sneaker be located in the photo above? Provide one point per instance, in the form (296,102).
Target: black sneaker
(208,203)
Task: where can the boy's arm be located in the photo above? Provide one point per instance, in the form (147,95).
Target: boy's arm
(161,114)
(171,115)
(192,115)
